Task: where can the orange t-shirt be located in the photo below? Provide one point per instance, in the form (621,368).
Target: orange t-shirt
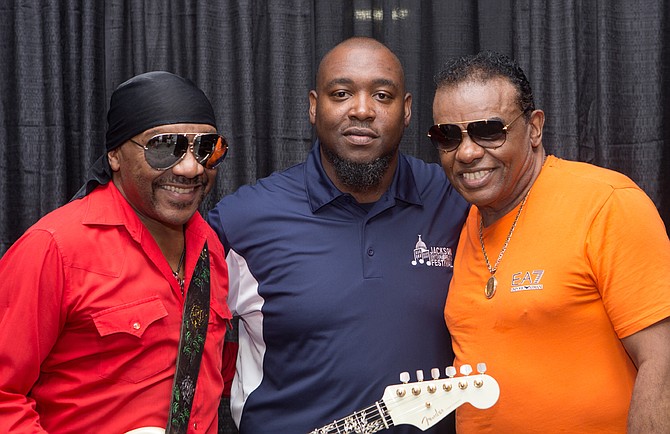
(581,271)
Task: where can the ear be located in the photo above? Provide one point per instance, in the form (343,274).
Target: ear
(408,108)
(113,158)
(536,123)
(313,97)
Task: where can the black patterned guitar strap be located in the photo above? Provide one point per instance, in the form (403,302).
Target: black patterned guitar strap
(191,345)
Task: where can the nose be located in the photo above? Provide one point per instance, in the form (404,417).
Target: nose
(362,107)
(468,151)
(188,166)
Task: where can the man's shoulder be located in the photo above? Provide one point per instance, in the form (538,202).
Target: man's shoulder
(61,227)
(67,217)
(433,186)
(417,164)
(591,174)
(275,187)
(425,174)
(263,201)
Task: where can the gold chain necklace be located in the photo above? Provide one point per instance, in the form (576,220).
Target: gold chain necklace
(492,283)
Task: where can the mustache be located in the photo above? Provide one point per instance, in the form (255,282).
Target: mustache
(170,178)
(360,124)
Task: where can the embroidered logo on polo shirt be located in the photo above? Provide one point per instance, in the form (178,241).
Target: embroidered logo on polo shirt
(527,281)
(433,256)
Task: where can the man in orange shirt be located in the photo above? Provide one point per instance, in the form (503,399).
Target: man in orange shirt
(560,280)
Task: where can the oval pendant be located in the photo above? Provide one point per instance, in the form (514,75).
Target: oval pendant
(491,286)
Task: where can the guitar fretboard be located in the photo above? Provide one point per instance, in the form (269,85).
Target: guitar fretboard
(367,421)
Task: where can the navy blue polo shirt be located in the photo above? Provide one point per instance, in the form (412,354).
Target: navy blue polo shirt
(335,300)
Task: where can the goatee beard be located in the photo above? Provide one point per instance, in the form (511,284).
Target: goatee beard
(360,177)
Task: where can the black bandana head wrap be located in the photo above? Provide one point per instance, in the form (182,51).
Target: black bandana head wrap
(143,102)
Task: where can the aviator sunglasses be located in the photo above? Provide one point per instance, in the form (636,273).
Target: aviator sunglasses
(487,133)
(164,151)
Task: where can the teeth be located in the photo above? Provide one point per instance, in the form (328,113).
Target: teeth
(177,189)
(470,176)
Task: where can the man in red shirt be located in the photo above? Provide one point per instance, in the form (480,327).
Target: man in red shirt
(93,295)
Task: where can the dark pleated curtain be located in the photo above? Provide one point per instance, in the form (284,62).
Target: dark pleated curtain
(600,70)
(52,105)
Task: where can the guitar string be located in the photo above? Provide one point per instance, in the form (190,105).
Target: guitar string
(377,416)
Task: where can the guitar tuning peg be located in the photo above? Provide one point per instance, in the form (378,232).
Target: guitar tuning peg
(435,373)
(450,371)
(466,369)
(481,367)
(419,375)
(404,377)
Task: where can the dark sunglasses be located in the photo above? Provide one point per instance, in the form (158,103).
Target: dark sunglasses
(164,151)
(487,133)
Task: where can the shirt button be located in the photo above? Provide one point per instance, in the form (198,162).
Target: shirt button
(371,252)
(136,325)
(195,425)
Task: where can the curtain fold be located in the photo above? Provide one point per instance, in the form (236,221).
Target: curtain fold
(599,70)
(52,105)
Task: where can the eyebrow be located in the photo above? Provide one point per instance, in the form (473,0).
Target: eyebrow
(376,82)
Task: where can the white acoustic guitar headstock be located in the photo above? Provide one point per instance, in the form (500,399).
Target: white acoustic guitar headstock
(424,403)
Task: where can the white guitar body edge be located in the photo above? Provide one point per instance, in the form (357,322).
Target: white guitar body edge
(147,430)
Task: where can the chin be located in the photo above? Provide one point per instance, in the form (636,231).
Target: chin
(476,198)
(177,217)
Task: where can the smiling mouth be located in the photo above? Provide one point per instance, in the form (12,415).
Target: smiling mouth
(473,176)
(180,190)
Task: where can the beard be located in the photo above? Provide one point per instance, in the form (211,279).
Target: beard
(360,177)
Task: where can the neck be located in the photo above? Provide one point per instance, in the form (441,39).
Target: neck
(491,215)
(171,241)
(367,196)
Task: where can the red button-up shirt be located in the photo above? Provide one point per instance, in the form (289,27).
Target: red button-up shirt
(90,318)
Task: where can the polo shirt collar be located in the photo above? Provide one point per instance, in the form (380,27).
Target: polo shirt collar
(321,190)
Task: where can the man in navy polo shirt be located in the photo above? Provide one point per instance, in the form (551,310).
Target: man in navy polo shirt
(339,266)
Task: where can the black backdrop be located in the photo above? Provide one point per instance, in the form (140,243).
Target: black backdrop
(600,69)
